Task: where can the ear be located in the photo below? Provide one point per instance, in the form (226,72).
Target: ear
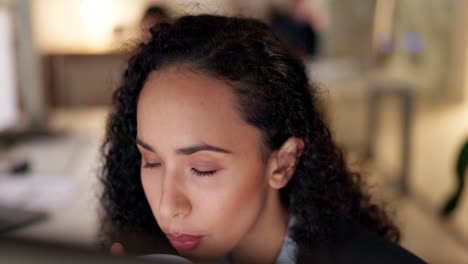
(282,163)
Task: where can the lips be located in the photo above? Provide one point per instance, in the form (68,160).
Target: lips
(184,242)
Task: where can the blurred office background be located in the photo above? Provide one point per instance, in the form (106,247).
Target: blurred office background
(394,75)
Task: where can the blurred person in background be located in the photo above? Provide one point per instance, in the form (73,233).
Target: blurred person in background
(216,151)
(300,24)
(153,15)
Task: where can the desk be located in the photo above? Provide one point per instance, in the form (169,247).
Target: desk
(76,221)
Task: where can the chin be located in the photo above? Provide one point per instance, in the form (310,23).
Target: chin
(201,257)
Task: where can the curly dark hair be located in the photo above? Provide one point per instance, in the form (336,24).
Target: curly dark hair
(273,94)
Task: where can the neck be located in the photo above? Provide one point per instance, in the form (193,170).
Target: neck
(264,241)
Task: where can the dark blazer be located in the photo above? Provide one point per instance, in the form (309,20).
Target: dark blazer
(354,244)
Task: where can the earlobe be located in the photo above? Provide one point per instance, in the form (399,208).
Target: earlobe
(284,162)
(279,180)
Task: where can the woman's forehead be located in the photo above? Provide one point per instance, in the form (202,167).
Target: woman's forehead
(179,84)
(184,107)
(173,95)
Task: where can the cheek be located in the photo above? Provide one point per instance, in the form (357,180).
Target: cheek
(244,192)
(152,189)
(235,204)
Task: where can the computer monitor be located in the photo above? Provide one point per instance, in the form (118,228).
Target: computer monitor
(22,105)
(9,110)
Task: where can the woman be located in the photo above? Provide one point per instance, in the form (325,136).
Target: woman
(216,151)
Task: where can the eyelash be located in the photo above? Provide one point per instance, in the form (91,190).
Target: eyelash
(151,165)
(203,173)
(194,171)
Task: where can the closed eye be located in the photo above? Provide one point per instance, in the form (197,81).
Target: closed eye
(203,173)
(151,165)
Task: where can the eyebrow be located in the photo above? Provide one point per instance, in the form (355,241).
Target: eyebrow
(187,150)
(145,145)
(201,147)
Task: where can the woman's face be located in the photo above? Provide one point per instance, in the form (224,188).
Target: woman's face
(202,169)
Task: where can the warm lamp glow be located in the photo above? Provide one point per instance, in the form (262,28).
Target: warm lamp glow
(82,26)
(97,22)
(87,26)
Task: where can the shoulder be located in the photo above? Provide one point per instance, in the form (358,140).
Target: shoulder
(354,244)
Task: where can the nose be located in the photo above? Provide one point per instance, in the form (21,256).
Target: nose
(174,202)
